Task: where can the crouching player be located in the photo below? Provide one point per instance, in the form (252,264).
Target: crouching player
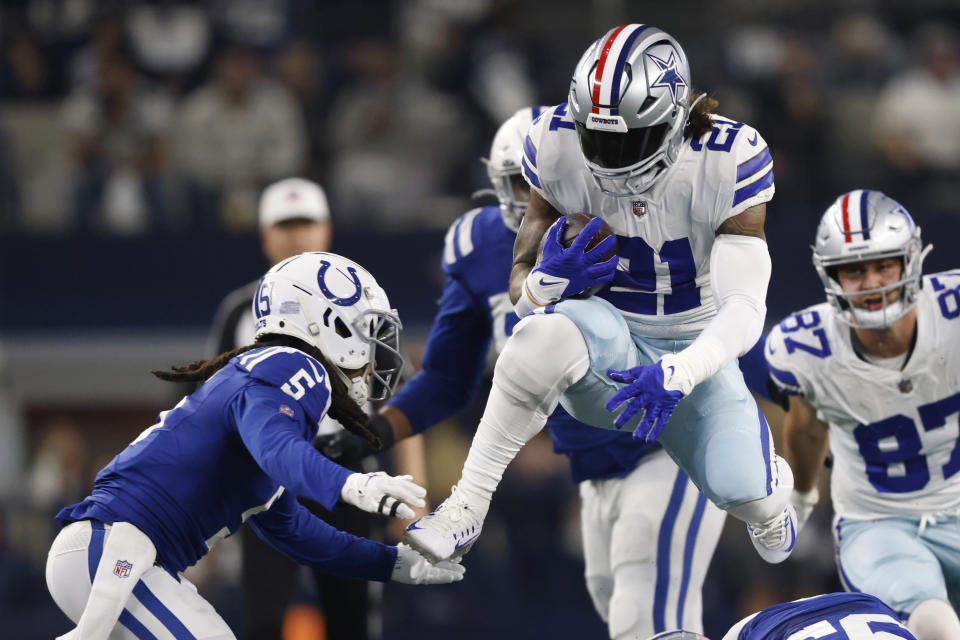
(240,449)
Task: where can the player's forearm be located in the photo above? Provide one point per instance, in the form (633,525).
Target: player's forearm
(740,271)
(518,275)
(806,449)
(298,534)
(538,218)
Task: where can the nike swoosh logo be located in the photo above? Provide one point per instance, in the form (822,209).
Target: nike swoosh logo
(670,368)
(548,283)
(464,542)
(753,140)
(413,526)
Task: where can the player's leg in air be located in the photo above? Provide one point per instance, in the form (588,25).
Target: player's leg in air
(717,434)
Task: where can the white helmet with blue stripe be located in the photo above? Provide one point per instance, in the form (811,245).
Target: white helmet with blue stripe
(866,225)
(630,98)
(335,305)
(503,165)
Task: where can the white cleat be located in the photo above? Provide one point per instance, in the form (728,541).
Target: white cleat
(447,532)
(775,538)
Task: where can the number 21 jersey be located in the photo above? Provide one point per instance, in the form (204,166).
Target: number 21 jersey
(665,235)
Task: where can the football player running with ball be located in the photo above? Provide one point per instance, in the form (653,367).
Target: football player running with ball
(685,191)
(871,376)
(240,449)
(632,493)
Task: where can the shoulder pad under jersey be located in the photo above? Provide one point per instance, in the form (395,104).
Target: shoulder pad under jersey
(468,238)
(294,372)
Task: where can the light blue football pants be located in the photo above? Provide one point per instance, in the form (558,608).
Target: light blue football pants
(903,561)
(717,434)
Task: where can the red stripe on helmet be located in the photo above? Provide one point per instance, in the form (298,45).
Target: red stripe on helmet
(846,218)
(600,65)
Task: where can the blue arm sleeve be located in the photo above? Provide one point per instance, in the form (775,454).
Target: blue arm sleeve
(452,363)
(280,444)
(292,530)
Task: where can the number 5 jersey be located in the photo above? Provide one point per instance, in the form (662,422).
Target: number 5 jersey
(893,429)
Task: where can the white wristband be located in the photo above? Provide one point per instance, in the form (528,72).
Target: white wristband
(527,302)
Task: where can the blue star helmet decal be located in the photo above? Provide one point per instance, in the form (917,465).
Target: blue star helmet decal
(668,75)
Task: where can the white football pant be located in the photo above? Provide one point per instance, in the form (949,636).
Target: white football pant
(161,606)
(648,539)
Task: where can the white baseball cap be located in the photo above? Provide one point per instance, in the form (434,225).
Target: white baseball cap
(292,199)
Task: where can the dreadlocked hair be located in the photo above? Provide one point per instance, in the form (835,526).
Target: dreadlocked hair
(343,408)
(700,122)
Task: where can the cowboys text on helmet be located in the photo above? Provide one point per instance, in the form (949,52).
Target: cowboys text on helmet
(630,98)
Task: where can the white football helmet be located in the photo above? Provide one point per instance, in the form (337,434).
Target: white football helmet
(867,225)
(503,165)
(630,98)
(679,634)
(335,305)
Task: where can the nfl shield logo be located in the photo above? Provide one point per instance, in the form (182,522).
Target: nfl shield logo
(639,208)
(122,569)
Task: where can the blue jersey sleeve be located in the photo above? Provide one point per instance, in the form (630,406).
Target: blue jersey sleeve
(279,436)
(452,363)
(292,530)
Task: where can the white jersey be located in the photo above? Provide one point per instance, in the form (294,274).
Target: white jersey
(893,433)
(662,286)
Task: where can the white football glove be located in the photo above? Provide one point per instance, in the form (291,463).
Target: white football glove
(381,493)
(804,502)
(413,568)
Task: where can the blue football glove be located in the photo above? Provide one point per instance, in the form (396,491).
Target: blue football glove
(654,389)
(565,272)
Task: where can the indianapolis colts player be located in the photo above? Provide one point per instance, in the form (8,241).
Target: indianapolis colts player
(872,376)
(648,534)
(239,449)
(685,191)
(833,616)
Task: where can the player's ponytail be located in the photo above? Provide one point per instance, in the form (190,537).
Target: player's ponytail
(699,121)
(343,408)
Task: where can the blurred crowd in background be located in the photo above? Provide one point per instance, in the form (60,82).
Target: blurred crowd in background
(136,123)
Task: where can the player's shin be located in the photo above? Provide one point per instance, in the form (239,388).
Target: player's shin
(530,375)
(934,620)
(541,360)
(127,554)
(772,520)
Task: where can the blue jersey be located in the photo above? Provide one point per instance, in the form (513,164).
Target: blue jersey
(840,616)
(238,448)
(475,310)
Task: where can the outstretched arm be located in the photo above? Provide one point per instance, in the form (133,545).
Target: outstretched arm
(291,529)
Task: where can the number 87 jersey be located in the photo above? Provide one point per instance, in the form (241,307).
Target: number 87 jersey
(893,431)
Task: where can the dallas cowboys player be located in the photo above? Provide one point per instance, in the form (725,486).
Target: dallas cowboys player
(838,616)
(239,449)
(871,375)
(648,534)
(685,191)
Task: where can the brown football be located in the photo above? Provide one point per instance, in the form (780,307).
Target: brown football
(575,224)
